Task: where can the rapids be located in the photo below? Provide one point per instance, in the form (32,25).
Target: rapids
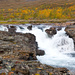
(57,48)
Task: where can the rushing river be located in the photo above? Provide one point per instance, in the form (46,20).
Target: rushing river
(58,49)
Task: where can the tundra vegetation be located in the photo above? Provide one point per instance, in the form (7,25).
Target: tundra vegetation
(37,10)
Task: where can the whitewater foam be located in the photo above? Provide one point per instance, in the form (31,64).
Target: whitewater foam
(56,48)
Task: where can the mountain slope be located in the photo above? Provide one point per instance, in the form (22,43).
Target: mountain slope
(6,4)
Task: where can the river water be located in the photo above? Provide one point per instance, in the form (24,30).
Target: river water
(58,48)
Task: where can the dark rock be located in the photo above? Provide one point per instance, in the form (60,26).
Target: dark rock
(11,29)
(52,31)
(29,27)
(59,28)
(1,61)
(40,52)
(73,23)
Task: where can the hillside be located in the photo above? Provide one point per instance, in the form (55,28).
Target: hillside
(36,9)
(6,4)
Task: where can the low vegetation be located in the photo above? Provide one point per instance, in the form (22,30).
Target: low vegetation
(46,11)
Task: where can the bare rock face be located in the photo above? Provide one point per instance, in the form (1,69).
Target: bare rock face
(52,31)
(18,46)
(70,30)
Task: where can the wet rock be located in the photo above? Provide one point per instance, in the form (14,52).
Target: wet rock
(52,31)
(59,28)
(29,27)
(40,52)
(11,29)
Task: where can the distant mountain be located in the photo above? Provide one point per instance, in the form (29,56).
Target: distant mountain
(6,4)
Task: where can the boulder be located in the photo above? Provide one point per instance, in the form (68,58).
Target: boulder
(52,31)
(40,52)
(29,27)
(11,29)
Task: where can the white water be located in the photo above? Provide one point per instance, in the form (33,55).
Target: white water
(55,47)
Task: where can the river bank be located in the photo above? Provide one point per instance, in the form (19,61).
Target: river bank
(37,21)
(22,48)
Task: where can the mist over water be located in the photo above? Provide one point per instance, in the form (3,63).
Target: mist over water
(56,48)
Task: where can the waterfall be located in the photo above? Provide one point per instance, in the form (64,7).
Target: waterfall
(56,48)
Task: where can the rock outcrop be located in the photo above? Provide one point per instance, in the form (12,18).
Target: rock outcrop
(70,30)
(18,67)
(52,31)
(29,27)
(18,55)
(18,46)
(40,52)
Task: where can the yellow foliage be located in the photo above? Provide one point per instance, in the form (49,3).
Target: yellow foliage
(25,11)
(44,13)
(37,74)
(27,14)
(10,9)
(3,9)
(11,16)
(36,8)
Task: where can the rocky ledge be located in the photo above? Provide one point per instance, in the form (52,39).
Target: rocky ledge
(18,55)
(70,30)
